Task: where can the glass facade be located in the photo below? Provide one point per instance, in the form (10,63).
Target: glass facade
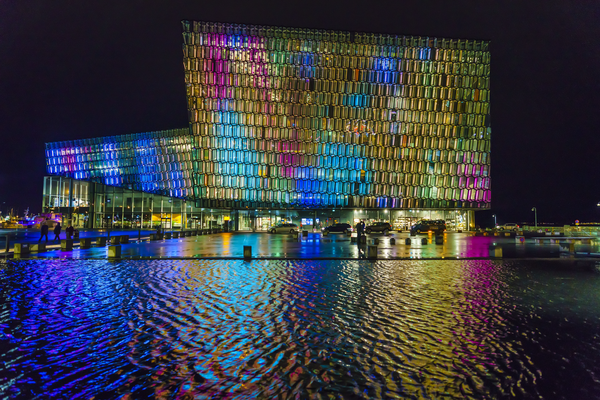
(297,119)
(96,205)
(153,162)
(312,118)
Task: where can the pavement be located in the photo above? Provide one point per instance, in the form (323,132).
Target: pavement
(317,246)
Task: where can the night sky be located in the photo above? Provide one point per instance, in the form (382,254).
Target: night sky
(72,70)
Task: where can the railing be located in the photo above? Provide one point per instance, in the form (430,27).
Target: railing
(567,230)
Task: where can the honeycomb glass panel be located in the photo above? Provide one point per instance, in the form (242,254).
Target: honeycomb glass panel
(310,119)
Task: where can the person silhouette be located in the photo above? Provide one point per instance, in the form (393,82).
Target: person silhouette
(57,230)
(44,230)
(69,231)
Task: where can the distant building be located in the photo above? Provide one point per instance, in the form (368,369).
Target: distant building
(296,124)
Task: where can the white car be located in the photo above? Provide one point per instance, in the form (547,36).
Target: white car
(284,228)
(511,226)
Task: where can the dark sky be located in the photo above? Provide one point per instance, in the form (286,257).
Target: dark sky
(80,69)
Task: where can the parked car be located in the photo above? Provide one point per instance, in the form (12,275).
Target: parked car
(511,226)
(436,226)
(383,227)
(338,228)
(284,228)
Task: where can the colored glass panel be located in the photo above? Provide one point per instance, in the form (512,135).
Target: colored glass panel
(283,117)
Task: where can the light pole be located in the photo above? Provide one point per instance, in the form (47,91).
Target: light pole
(495,223)
(535,211)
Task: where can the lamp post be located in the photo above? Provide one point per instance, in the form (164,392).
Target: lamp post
(495,223)
(535,211)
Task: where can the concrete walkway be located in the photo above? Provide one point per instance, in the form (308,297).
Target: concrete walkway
(314,246)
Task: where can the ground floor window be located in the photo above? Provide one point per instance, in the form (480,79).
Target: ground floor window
(95,205)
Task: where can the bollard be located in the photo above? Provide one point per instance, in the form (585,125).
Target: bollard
(38,248)
(21,248)
(100,242)
(407,241)
(496,252)
(167,235)
(393,241)
(325,233)
(362,240)
(372,251)
(139,235)
(375,241)
(115,240)
(439,240)
(124,239)
(304,233)
(85,243)
(352,239)
(247,251)
(66,245)
(296,235)
(114,251)
(7,243)
(507,234)
(153,236)
(175,235)
(160,236)
(424,241)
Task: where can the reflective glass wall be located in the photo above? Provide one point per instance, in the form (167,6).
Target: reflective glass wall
(310,118)
(154,162)
(95,205)
(284,118)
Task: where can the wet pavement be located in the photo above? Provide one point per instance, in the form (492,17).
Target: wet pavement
(316,246)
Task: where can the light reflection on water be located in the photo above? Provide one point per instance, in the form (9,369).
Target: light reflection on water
(305,329)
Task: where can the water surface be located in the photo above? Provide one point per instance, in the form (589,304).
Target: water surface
(299,329)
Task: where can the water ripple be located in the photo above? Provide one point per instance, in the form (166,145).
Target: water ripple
(302,329)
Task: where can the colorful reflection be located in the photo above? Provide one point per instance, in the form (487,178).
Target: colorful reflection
(183,329)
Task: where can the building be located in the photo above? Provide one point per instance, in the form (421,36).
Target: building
(309,125)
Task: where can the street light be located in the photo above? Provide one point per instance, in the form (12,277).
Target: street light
(535,211)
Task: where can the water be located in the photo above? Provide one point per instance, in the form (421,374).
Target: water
(299,329)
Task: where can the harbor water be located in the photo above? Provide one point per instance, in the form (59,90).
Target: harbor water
(177,329)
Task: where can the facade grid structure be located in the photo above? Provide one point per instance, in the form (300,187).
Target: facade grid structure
(334,119)
(297,119)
